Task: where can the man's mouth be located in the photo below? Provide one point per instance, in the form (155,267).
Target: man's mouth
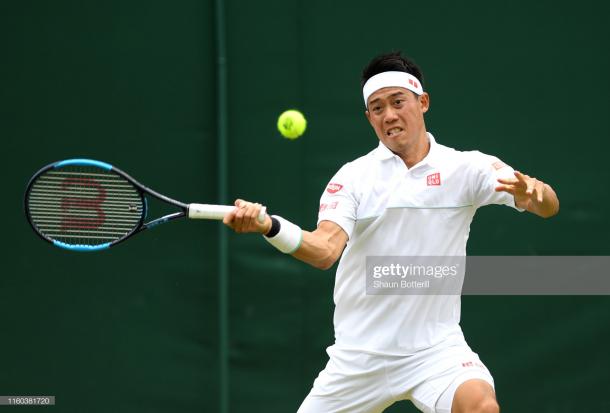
(393,131)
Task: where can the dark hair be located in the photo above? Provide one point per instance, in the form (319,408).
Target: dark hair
(391,62)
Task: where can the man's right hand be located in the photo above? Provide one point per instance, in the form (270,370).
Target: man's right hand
(244,218)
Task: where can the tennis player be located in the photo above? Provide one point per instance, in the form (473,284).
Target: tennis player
(410,196)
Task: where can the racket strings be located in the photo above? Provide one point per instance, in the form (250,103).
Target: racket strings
(84,205)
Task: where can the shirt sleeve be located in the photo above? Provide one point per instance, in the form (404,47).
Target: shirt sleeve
(338,202)
(487,170)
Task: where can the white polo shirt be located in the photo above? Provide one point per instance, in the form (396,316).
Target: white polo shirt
(387,209)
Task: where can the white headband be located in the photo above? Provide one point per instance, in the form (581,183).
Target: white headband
(391,79)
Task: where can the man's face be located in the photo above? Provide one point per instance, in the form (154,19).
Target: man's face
(397,115)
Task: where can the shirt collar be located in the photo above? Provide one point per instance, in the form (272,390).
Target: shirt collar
(382,152)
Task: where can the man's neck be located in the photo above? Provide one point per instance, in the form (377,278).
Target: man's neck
(417,152)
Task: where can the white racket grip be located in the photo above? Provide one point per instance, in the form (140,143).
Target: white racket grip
(218,212)
(208,211)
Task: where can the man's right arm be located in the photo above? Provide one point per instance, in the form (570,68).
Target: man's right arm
(320,248)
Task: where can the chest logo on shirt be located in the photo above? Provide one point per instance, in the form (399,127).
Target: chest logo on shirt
(433,179)
(333,188)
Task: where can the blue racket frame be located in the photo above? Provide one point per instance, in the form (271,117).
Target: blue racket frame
(141,189)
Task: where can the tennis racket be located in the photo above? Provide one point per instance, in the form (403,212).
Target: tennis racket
(88,205)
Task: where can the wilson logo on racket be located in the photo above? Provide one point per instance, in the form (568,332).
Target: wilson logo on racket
(73,207)
(333,188)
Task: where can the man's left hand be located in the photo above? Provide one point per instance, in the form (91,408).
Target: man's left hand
(530,194)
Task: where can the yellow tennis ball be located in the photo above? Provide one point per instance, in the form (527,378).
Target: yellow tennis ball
(291,124)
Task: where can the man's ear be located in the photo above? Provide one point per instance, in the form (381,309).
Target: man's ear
(368,115)
(424,101)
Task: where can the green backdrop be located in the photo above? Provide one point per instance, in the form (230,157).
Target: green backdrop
(135,328)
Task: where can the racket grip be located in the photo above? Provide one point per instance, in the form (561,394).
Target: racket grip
(207,211)
(218,212)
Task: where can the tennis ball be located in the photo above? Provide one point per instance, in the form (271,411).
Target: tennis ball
(291,124)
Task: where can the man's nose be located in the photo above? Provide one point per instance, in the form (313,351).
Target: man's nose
(390,115)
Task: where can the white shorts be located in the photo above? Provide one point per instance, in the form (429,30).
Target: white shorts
(354,381)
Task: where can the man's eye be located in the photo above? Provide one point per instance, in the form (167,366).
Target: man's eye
(398,101)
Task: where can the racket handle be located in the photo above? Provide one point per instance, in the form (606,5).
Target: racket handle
(207,211)
(218,212)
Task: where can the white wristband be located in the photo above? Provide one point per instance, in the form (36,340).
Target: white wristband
(288,239)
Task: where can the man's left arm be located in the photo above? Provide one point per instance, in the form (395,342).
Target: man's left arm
(530,194)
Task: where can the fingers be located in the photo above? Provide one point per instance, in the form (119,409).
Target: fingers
(533,187)
(509,185)
(242,218)
(523,184)
(520,181)
(539,190)
(230,217)
(527,182)
(510,181)
(521,177)
(245,217)
(506,188)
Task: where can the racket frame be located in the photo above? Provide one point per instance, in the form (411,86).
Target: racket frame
(141,189)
